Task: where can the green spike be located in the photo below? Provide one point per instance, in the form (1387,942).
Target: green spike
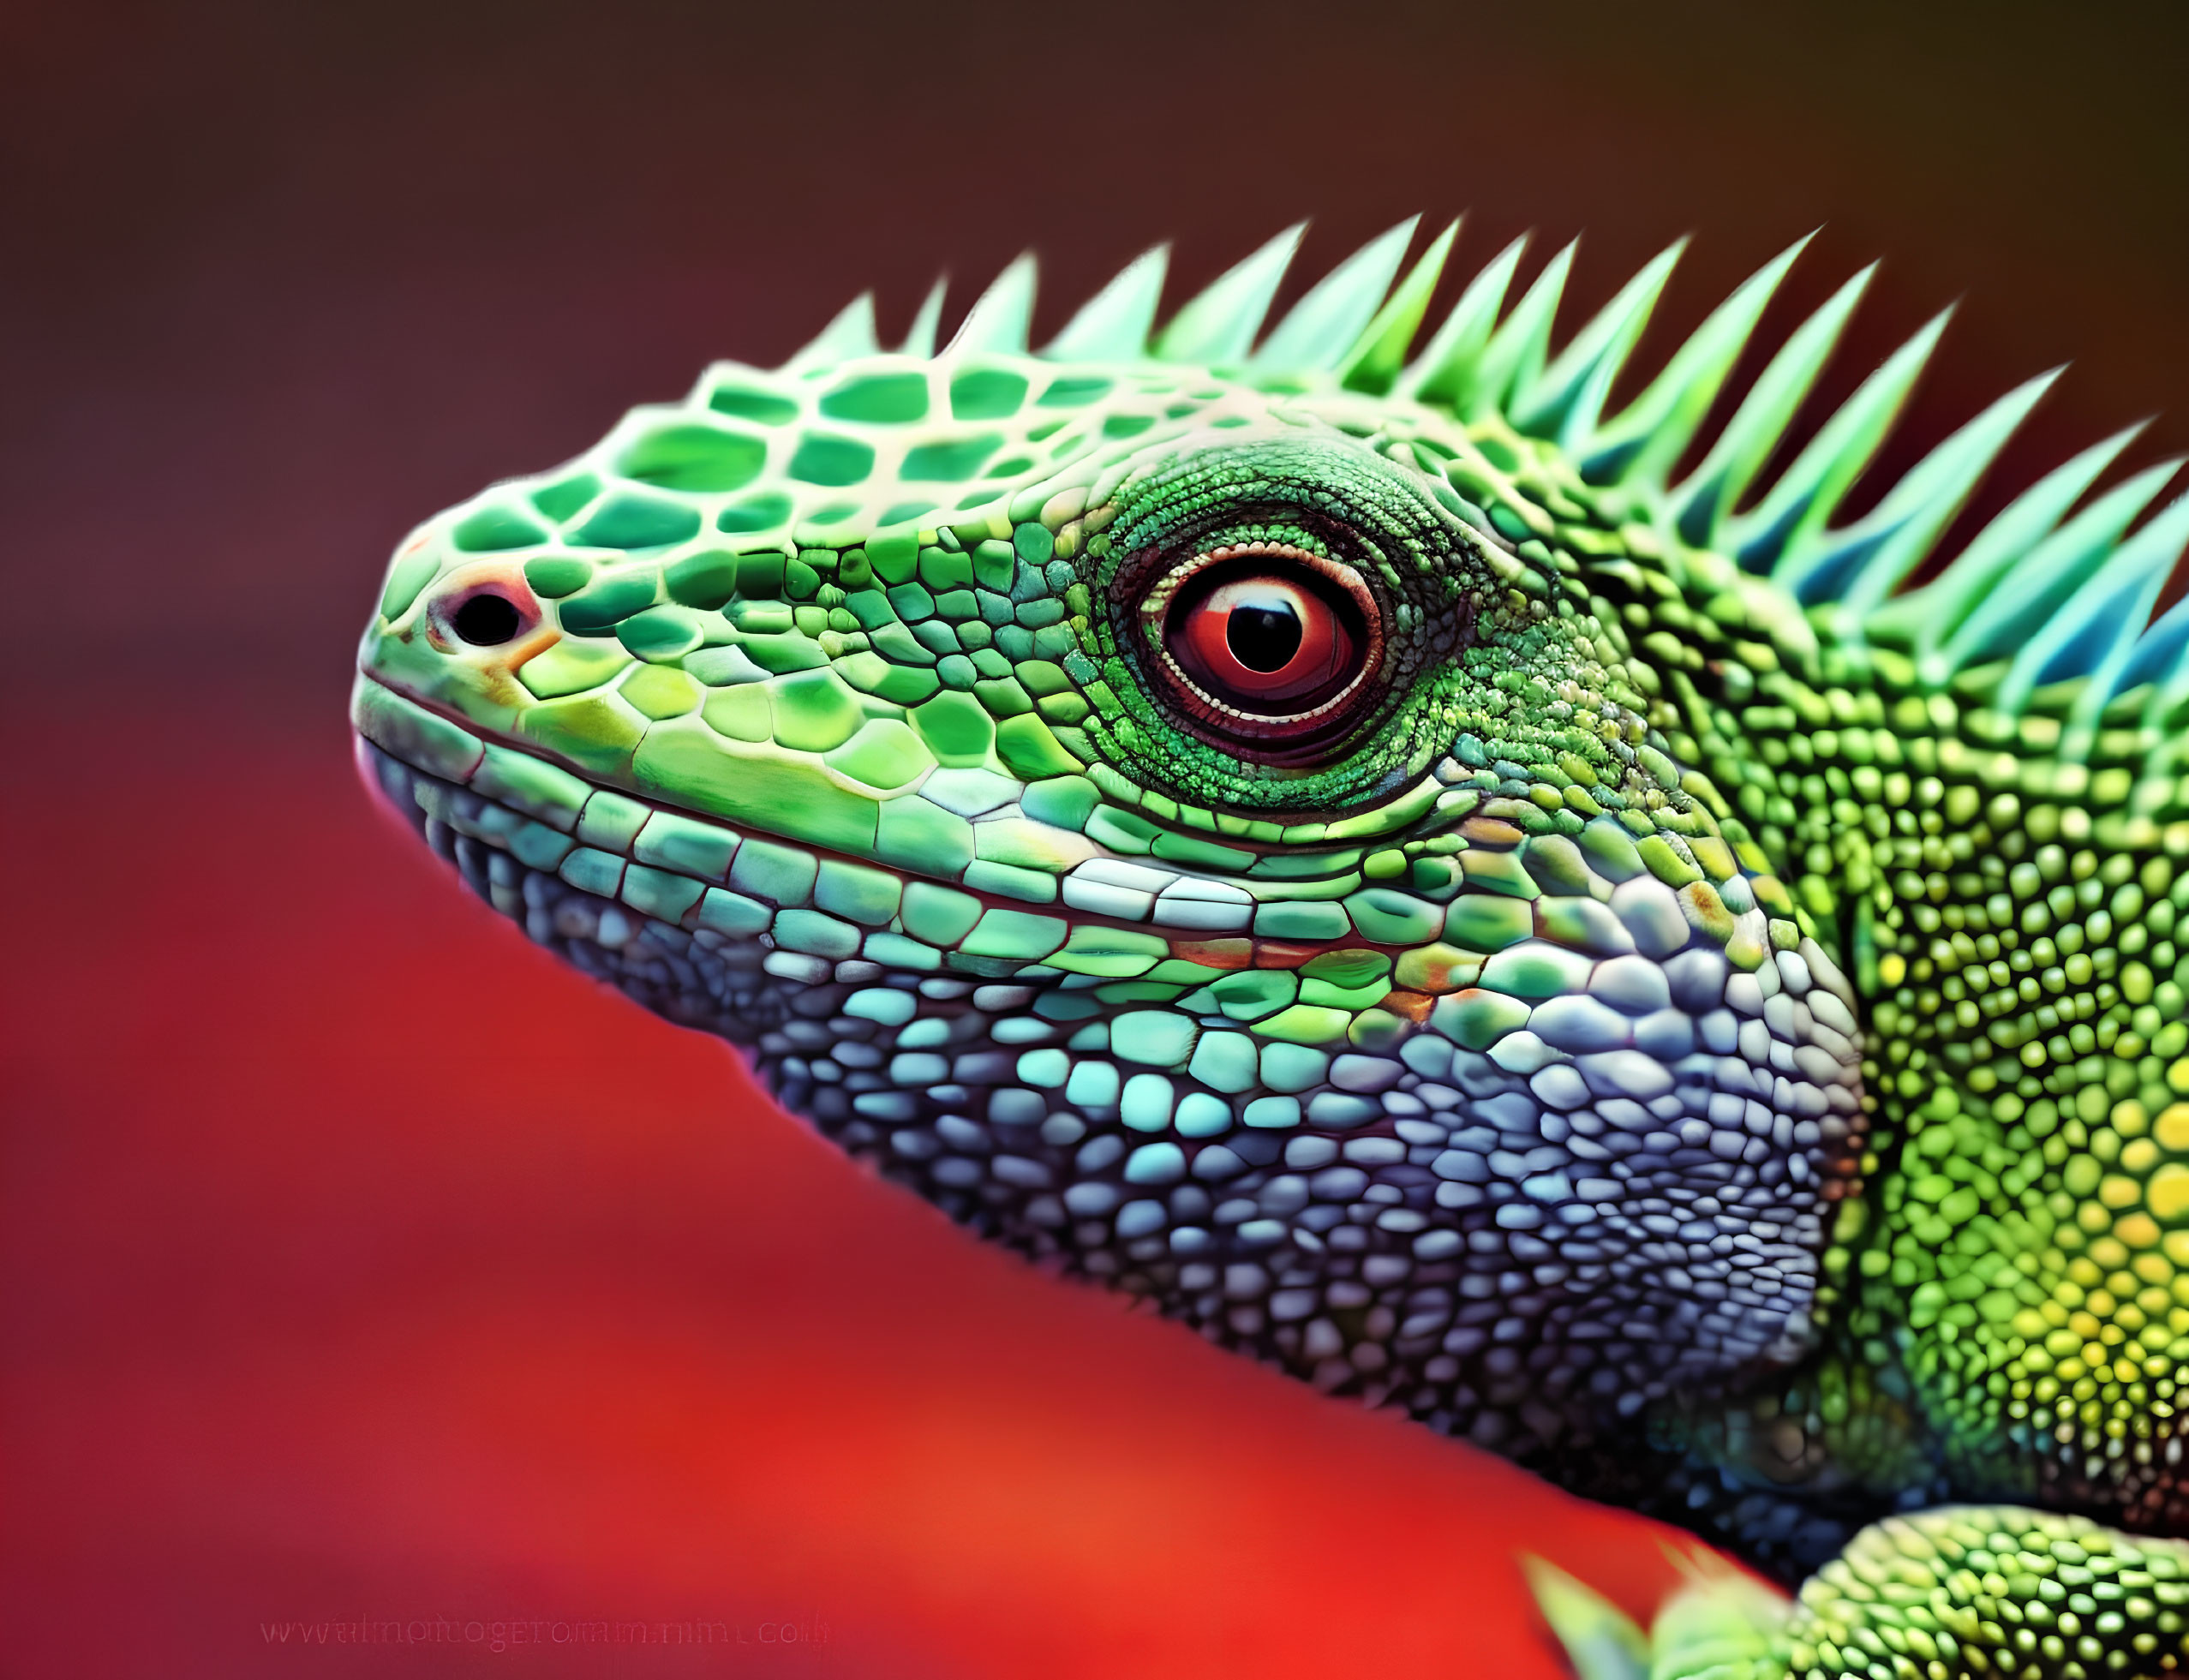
(1317,332)
(1217,328)
(1640,445)
(1566,400)
(1000,315)
(920,340)
(1444,372)
(1806,494)
(1374,362)
(1699,506)
(1513,359)
(2094,631)
(1721,1625)
(1113,325)
(2031,592)
(850,334)
(1858,566)
(1602,1642)
(1922,618)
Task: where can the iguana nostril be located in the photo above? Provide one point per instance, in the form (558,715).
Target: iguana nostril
(486,619)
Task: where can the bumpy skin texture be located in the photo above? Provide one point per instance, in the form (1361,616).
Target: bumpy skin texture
(1655,1002)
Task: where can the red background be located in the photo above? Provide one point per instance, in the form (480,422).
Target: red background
(361,1261)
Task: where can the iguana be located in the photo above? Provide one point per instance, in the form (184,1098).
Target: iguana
(1492,905)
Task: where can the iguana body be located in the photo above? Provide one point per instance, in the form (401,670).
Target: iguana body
(1342,844)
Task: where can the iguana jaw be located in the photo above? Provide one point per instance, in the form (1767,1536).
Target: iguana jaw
(1018,1037)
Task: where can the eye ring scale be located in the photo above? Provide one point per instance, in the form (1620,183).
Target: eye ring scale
(1264,645)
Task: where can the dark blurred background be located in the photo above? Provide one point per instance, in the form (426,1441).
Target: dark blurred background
(358,1263)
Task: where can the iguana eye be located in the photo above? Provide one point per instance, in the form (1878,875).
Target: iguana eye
(486,619)
(1265,638)
(1265,642)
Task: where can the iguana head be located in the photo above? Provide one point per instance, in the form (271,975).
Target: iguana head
(1270,826)
(1204,815)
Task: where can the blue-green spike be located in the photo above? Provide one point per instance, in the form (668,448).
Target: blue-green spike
(1444,371)
(1640,443)
(1566,400)
(1374,362)
(1698,507)
(2159,652)
(1113,325)
(1858,566)
(2161,658)
(1317,332)
(1000,315)
(2031,592)
(1923,618)
(920,340)
(1217,327)
(1513,359)
(2095,633)
(2154,657)
(1805,496)
(850,334)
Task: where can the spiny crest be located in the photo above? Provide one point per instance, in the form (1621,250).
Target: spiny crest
(2046,594)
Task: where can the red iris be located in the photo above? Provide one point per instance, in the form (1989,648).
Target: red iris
(1263,640)
(1265,644)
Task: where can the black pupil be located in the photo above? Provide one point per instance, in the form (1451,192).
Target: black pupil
(486,619)
(1263,638)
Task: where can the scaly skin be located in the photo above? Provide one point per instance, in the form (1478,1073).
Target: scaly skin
(1645,996)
